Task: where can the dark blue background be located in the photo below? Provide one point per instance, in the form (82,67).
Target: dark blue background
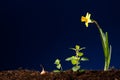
(34,32)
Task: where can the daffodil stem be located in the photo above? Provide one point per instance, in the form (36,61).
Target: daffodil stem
(106,65)
(96,24)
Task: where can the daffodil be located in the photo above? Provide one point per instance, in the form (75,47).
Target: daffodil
(86,19)
(107,48)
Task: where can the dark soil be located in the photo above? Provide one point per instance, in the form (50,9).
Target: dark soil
(24,74)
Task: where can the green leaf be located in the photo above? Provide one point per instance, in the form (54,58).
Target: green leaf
(107,45)
(106,48)
(58,66)
(68,59)
(56,70)
(76,58)
(110,52)
(80,54)
(75,68)
(109,58)
(73,49)
(84,59)
(102,40)
(81,48)
(57,61)
(74,61)
(77,47)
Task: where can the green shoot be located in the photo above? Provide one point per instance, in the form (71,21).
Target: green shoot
(106,47)
(58,66)
(75,60)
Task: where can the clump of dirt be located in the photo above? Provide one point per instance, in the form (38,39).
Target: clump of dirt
(24,74)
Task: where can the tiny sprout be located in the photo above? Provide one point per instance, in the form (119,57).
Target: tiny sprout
(58,66)
(43,70)
(75,60)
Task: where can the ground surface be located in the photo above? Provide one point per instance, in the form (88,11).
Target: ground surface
(24,74)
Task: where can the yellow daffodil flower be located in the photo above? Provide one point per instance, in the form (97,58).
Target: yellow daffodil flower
(86,19)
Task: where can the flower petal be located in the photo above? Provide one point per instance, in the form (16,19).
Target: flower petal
(86,24)
(86,19)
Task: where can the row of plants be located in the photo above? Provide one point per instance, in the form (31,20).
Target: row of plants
(79,56)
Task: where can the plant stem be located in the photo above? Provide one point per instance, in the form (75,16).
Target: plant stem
(96,24)
(105,46)
(61,68)
(77,57)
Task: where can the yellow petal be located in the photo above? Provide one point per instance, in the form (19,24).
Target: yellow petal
(87,15)
(86,24)
(86,19)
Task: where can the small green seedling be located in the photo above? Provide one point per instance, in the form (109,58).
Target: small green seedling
(58,65)
(75,60)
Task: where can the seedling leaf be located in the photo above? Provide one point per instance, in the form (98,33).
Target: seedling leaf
(76,68)
(58,66)
(56,70)
(74,61)
(68,59)
(84,59)
(77,47)
(80,54)
(73,49)
(57,61)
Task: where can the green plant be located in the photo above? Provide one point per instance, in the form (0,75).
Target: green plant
(58,65)
(104,39)
(75,60)
(106,48)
